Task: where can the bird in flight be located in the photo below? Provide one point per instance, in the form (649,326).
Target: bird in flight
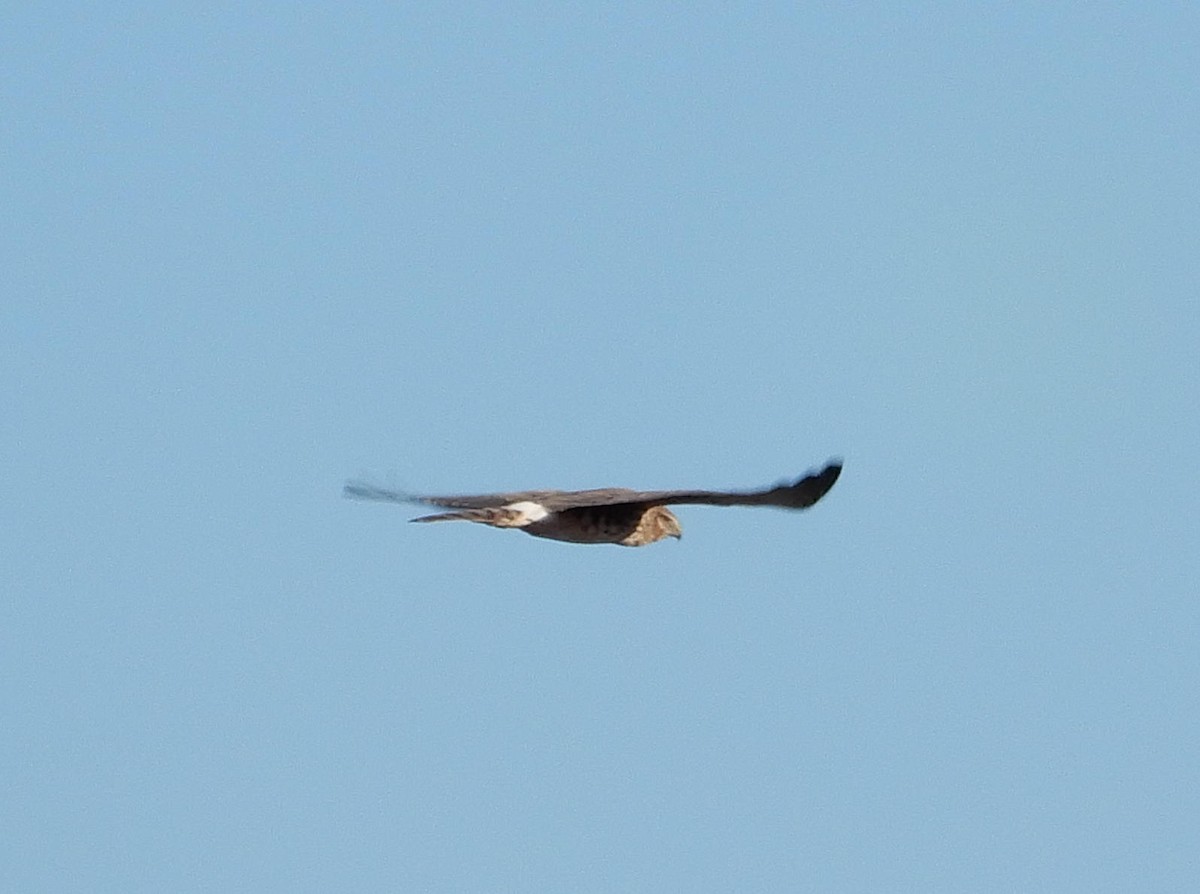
(606,515)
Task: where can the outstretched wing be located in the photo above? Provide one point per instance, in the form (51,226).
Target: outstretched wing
(794,495)
(361,490)
(798,494)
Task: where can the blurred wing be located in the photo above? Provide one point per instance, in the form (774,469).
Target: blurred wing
(361,490)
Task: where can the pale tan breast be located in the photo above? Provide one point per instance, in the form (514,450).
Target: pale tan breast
(655,523)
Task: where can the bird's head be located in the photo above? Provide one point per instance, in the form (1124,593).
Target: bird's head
(660,522)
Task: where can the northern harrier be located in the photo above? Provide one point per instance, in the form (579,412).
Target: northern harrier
(606,515)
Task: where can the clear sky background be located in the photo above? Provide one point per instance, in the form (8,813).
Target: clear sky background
(253,250)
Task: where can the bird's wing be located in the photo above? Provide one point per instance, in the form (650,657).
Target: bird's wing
(787,495)
(794,495)
(361,490)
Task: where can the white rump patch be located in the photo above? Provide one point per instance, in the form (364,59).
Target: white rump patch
(530,512)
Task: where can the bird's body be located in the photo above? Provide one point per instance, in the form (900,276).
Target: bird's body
(606,515)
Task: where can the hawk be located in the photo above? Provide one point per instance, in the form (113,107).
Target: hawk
(606,515)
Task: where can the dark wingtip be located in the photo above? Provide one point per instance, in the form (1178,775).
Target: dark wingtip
(817,485)
(832,470)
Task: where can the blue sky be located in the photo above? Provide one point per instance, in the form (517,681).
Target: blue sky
(253,250)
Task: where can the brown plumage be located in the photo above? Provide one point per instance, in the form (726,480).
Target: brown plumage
(606,515)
